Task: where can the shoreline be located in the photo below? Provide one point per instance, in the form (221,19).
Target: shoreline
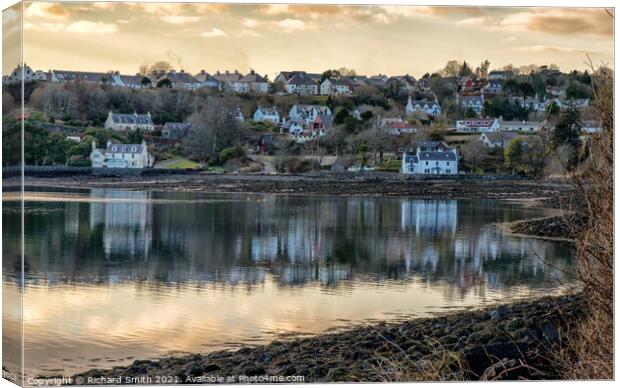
(547,192)
(508,341)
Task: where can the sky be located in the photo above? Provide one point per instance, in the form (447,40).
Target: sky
(393,40)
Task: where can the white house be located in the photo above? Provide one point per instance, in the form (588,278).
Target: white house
(231,81)
(20,73)
(496,139)
(488,124)
(301,84)
(121,122)
(181,80)
(308,112)
(254,82)
(430,108)
(267,114)
(121,156)
(207,80)
(335,87)
(520,126)
(476,103)
(437,162)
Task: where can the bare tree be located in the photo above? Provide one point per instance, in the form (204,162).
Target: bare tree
(474,152)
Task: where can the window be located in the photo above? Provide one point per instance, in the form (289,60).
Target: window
(436,163)
(427,162)
(447,163)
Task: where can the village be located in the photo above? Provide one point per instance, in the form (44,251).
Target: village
(457,120)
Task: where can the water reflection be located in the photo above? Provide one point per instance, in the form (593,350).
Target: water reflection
(202,271)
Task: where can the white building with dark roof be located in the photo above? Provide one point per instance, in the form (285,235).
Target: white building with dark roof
(181,80)
(266,114)
(121,156)
(301,84)
(131,121)
(475,103)
(254,82)
(308,112)
(435,162)
(176,131)
(430,108)
(487,124)
(207,80)
(79,76)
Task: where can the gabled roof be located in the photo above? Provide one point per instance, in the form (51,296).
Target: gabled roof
(203,76)
(227,77)
(496,137)
(253,77)
(326,119)
(122,118)
(301,79)
(437,156)
(68,75)
(131,79)
(180,77)
(268,111)
(177,126)
(471,100)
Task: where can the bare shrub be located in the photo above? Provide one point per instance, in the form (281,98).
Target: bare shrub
(589,353)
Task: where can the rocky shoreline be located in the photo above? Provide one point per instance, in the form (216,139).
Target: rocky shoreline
(556,227)
(512,341)
(519,190)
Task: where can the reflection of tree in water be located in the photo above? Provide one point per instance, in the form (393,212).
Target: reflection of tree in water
(297,240)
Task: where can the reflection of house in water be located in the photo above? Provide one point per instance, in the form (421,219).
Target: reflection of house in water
(126,220)
(429,216)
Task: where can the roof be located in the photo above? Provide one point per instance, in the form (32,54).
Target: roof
(131,118)
(125,148)
(177,126)
(268,111)
(496,137)
(203,76)
(301,79)
(180,77)
(131,79)
(411,159)
(470,99)
(432,144)
(68,75)
(326,119)
(253,77)
(227,77)
(421,103)
(520,123)
(437,155)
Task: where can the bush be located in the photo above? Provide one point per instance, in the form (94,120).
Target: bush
(390,165)
(296,165)
(230,153)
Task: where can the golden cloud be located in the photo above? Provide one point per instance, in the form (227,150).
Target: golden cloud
(47,10)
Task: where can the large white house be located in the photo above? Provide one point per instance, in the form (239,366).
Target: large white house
(132,121)
(475,103)
(121,156)
(335,87)
(301,84)
(436,161)
(308,112)
(267,114)
(254,82)
(520,126)
(488,124)
(430,108)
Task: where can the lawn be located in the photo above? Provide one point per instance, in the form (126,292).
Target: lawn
(183,164)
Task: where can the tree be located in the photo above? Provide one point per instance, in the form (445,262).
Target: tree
(526,156)
(465,70)
(346,72)
(567,132)
(214,127)
(155,67)
(378,140)
(514,154)
(164,83)
(330,74)
(474,152)
(145,81)
(483,70)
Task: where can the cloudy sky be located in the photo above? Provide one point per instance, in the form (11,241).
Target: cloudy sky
(268,38)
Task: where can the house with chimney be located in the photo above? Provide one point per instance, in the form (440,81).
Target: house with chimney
(308,112)
(334,86)
(429,108)
(121,156)
(301,84)
(180,80)
(255,83)
(475,103)
(131,121)
(207,80)
(486,124)
(176,131)
(231,81)
(497,139)
(431,160)
(266,114)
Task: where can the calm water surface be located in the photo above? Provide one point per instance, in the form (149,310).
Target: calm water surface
(113,275)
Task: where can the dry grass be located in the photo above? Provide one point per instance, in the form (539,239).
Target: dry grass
(589,353)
